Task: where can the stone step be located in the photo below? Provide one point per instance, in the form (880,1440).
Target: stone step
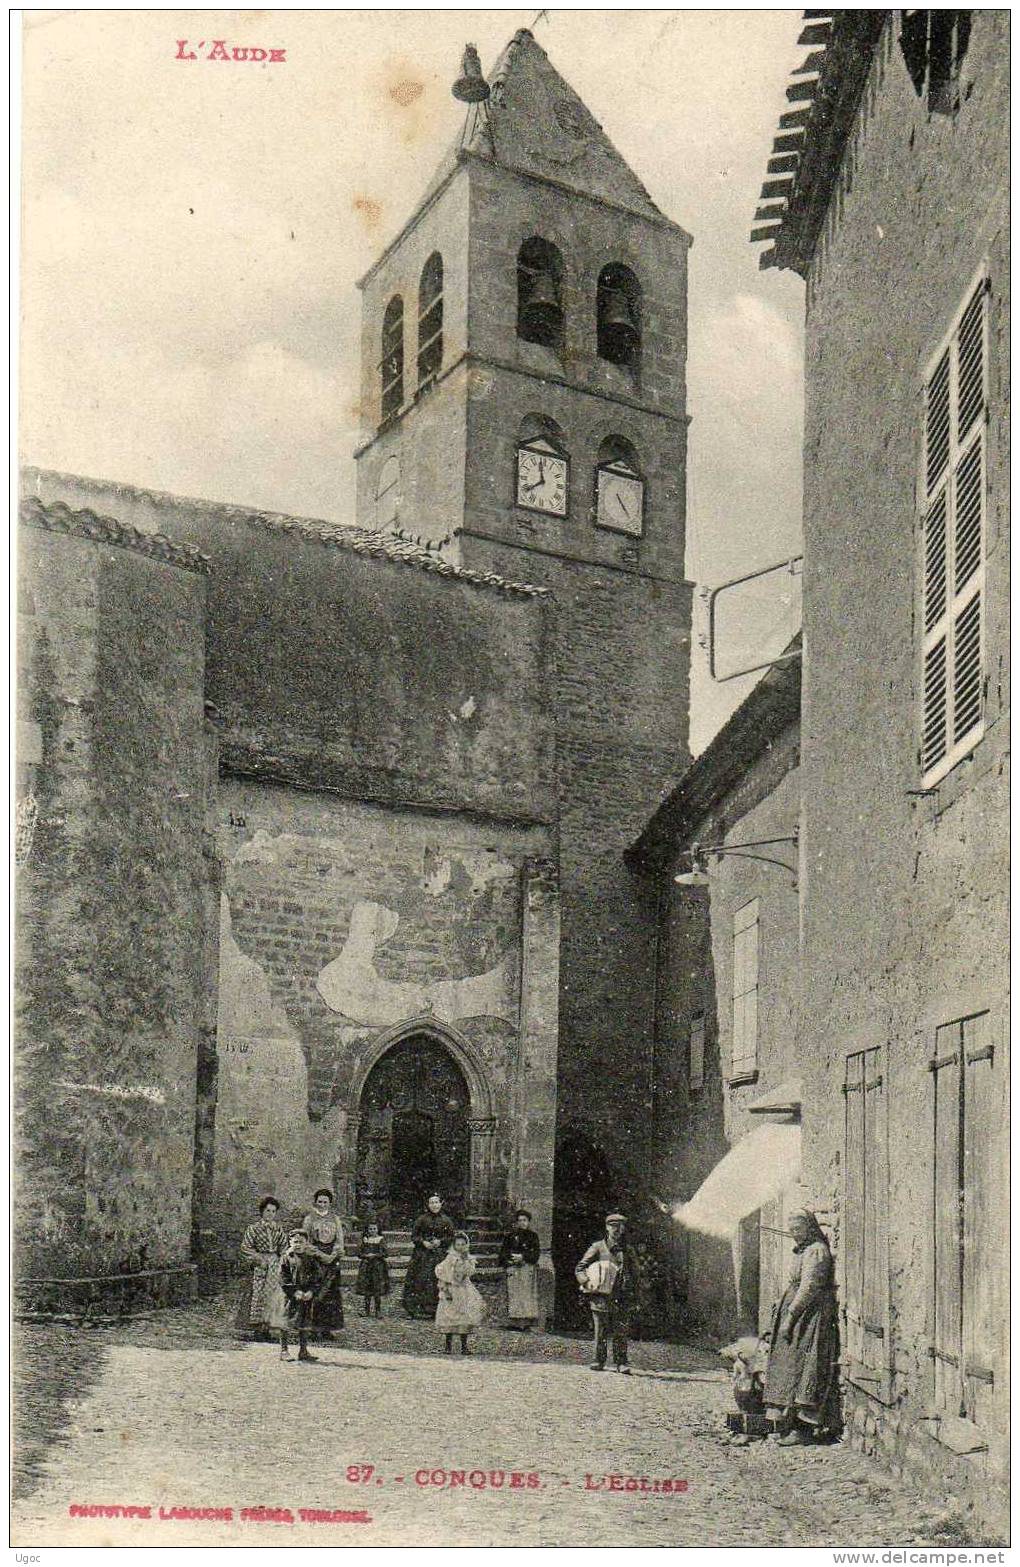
(397,1240)
(485,1256)
(398,1272)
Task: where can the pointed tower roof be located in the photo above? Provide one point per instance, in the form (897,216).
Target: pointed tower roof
(535,124)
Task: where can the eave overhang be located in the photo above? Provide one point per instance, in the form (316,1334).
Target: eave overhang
(824,95)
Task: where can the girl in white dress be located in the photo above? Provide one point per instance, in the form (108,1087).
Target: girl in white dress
(460,1308)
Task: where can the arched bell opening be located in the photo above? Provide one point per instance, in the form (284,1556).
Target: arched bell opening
(618,307)
(430,321)
(391,364)
(540,295)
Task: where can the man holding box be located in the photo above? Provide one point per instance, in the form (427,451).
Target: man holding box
(608,1276)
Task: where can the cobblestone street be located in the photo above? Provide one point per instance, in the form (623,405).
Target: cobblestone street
(172,1412)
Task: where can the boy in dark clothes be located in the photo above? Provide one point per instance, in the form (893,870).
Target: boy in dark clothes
(301,1275)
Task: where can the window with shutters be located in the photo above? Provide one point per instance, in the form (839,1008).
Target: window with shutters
(430,321)
(696,1052)
(864,1254)
(953,544)
(744,1057)
(391,368)
(965,1190)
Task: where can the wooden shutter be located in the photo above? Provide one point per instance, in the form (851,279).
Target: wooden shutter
(971,362)
(947,1225)
(745,989)
(875,1299)
(953,545)
(982,1183)
(864,1227)
(852,1219)
(775,1253)
(937,424)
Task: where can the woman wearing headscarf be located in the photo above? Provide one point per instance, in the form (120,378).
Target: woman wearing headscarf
(324,1230)
(431,1239)
(801,1378)
(519,1255)
(262,1246)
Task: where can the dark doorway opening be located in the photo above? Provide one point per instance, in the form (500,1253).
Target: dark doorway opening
(584,1195)
(414,1137)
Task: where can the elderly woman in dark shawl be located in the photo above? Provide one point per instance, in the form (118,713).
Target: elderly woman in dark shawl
(801,1378)
(432,1237)
(262,1246)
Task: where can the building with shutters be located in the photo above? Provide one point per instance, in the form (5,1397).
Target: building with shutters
(727,997)
(890,200)
(870,1003)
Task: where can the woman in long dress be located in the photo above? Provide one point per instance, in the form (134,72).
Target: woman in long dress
(431,1237)
(262,1246)
(801,1378)
(459,1307)
(324,1230)
(519,1255)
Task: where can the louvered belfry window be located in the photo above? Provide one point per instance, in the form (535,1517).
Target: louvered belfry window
(430,320)
(391,366)
(952,673)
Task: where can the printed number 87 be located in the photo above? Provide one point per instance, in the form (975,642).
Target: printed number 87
(360,1474)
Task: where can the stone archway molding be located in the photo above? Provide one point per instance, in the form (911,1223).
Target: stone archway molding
(481,1119)
(462,1052)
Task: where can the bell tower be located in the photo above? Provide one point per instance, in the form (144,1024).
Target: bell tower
(523,351)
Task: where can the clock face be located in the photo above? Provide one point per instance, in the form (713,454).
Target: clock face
(620,501)
(542,479)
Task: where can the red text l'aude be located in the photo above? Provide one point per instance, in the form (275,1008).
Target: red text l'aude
(219,49)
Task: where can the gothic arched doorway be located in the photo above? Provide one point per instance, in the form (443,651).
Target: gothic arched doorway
(414,1136)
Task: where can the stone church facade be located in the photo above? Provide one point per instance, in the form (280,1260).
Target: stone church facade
(334,816)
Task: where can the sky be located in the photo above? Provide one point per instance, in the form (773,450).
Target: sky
(192,233)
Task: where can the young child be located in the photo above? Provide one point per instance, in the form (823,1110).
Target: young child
(460,1308)
(373,1281)
(300,1275)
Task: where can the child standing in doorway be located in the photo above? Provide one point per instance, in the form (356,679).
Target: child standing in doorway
(460,1308)
(373,1281)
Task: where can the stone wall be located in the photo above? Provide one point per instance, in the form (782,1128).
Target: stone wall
(345,927)
(905,900)
(109,898)
(373,676)
(384,852)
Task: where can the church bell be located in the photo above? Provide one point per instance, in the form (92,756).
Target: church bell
(471,86)
(542,314)
(618,333)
